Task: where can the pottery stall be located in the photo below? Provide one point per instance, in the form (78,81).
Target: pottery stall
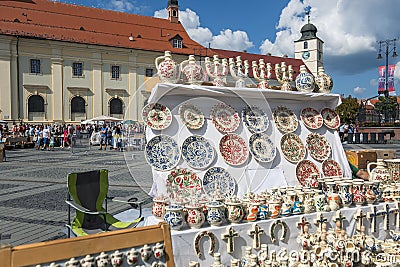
(257,177)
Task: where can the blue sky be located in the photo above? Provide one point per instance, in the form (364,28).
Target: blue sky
(349,28)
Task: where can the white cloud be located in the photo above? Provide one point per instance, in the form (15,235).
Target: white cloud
(226,39)
(359,90)
(373,82)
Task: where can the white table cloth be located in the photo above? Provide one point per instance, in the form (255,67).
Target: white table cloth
(251,176)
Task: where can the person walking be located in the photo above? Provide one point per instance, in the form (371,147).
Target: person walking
(103,136)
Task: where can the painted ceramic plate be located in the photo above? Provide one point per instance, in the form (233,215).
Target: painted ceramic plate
(255,119)
(311,118)
(331,168)
(261,147)
(218,178)
(292,148)
(318,146)
(225,118)
(162,153)
(305,170)
(157,116)
(233,149)
(285,119)
(197,152)
(331,118)
(183,183)
(191,116)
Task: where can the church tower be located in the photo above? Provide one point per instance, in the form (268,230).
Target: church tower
(309,48)
(173,11)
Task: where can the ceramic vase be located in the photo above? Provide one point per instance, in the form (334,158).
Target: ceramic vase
(298,204)
(378,190)
(192,72)
(394,169)
(370,196)
(309,206)
(358,193)
(234,212)
(167,69)
(323,82)
(305,81)
(334,201)
(195,216)
(345,194)
(320,203)
(252,213)
(380,172)
(215,213)
(174,216)
(287,204)
(263,213)
(158,208)
(274,208)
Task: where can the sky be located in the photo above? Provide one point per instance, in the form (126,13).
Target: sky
(350,30)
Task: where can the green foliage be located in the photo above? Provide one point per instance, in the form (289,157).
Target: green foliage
(387,106)
(348,110)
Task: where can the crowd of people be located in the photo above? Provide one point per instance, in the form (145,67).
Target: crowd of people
(49,136)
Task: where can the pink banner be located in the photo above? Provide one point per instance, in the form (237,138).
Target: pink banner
(381,79)
(391,69)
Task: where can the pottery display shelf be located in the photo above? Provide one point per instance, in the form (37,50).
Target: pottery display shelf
(250,174)
(183,241)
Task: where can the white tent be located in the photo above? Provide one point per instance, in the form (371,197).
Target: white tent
(105,119)
(2,121)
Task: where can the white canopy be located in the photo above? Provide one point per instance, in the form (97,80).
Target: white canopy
(2,121)
(101,118)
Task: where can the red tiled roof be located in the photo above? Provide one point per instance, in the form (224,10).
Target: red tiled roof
(296,63)
(64,22)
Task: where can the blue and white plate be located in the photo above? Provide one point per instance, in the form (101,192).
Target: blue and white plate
(262,148)
(162,153)
(198,152)
(255,119)
(217,178)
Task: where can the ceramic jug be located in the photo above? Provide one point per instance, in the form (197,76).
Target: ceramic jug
(234,210)
(380,172)
(174,216)
(323,82)
(215,213)
(167,69)
(305,81)
(394,169)
(195,216)
(192,72)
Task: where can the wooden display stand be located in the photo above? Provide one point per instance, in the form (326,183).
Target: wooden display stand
(60,251)
(361,158)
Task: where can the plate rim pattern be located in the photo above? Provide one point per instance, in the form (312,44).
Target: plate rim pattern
(285,136)
(194,107)
(245,149)
(305,121)
(147,108)
(205,140)
(162,136)
(262,135)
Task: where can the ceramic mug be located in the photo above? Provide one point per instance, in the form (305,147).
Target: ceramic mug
(274,208)
(158,251)
(87,261)
(132,256)
(72,263)
(116,258)
(103,260)
(145,253)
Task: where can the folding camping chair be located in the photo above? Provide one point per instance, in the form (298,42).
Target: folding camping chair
(87,192)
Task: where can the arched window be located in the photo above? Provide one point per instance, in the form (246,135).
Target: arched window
(116,106)
(78,105)
(174,13)
(35,104)
(305,45)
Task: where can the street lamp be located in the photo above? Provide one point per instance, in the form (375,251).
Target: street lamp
(386,44)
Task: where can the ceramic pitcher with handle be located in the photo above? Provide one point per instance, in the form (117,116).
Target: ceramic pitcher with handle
(380,172)
(394,169)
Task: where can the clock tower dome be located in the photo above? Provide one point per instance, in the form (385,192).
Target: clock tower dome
(309,48)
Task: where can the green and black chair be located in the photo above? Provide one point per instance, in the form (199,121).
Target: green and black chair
(87,193)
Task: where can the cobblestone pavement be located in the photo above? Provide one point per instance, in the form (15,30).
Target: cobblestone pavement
(33,186)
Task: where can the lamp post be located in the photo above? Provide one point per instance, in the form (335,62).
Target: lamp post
(386,44)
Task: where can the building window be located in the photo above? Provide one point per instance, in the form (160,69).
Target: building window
(115,72)
(35,104)
(305,45)
(35,66)
(177,43)
(78,105)
(149,72)
(319,55)
(77,69)
(116,106)
(174,13)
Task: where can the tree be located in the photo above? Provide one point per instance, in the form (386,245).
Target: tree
(348,110)
(387,106)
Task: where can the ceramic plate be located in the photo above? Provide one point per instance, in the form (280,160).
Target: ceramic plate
(218,178)
(261,147)
(157,116)
(197,152)
(285,119)
(331,168)
(225,118)
(255,119)
(311,118)
(292,148)
(233,149)
(182,183)
(318,146)
(305,169)
(162,153)
(331,118)
(191,116)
